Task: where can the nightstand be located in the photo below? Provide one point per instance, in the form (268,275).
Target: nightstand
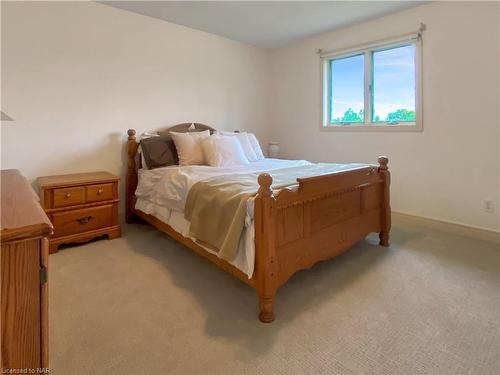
(81,206)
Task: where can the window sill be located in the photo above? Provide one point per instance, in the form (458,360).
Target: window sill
(411,127)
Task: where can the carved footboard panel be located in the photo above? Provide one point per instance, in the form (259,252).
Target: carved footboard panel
(317,219)
(323,226)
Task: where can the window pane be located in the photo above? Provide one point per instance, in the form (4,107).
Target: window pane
(394,85)
(347,87)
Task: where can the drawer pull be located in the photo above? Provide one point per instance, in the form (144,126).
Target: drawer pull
(100,191)
(68,195)
(84,220)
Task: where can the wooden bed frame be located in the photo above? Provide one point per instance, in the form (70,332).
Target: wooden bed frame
(295,227)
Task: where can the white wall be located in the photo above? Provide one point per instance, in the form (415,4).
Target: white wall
(77,75)
(446,171)
(498,109)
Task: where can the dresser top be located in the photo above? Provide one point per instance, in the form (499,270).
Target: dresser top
(21,214)
(64,180)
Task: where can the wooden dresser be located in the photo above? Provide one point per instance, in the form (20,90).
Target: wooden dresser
(81,206)
(24,257)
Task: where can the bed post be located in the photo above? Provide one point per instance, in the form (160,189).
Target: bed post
(265,256)
(386,207)
(131,181)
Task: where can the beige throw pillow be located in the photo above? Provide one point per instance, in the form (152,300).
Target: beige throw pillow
(188,147)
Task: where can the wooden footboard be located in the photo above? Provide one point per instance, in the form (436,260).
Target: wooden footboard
(317,219)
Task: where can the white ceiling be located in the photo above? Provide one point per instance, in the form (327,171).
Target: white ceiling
(267,24)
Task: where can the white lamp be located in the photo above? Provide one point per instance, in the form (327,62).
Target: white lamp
(274,150)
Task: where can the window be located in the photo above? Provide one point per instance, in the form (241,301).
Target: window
(375,88)
(347,89)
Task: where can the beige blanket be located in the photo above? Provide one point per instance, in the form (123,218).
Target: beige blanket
(216,207)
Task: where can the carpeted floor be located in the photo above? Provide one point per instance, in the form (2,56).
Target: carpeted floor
(141,304)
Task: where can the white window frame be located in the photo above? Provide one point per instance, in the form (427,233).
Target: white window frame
(368,50)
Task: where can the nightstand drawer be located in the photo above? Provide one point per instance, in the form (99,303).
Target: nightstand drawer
(102,192)
(79,221)
(69,196)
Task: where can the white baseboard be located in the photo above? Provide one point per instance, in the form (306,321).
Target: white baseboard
(484,234)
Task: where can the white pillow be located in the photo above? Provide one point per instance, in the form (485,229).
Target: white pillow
(245,144)
(255,146)
(209,152)
(223,151)
(188,147)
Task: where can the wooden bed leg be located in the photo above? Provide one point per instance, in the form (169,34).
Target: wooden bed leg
(386,207)
(266,307)
(384,238)
(266,271)
(131,180)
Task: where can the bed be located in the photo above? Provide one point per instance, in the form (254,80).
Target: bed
(287,229)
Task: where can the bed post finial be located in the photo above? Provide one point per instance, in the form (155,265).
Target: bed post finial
(383,161)
(265,180)
(131,180)
(131,134)
(386,207)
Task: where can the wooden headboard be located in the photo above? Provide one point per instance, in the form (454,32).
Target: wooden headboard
(186,127)
(134,162)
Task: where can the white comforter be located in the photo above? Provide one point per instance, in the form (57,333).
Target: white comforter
(162,192)
(169,186)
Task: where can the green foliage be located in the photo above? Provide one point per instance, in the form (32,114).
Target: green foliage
(351,116)
(401,115)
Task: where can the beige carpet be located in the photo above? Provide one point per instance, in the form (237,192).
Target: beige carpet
(142,304)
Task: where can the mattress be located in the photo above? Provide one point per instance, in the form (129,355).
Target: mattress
(162,193)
